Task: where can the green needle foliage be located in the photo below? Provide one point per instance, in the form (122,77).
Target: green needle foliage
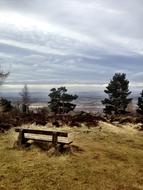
(5,105)
(60,102)
(118,92)
(140,103)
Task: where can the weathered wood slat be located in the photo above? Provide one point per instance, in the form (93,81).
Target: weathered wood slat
(55,137)
(49,140)
(42,132)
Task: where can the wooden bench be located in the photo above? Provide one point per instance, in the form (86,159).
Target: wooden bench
(42,135)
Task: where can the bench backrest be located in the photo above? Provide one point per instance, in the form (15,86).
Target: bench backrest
(42,132)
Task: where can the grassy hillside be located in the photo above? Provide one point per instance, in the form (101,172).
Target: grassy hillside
(102,158)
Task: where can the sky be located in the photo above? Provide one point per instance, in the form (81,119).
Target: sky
(71,42)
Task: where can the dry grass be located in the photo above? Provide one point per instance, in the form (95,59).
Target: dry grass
(102,158)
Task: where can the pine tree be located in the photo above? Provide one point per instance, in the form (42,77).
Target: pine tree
(60,102)
(118,92)
(5,105)
(140,103)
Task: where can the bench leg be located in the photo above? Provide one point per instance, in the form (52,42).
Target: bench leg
(21,138)
(54,139)
(61,147)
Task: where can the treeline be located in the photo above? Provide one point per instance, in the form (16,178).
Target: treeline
(117,101)
(61,102)
(59,110)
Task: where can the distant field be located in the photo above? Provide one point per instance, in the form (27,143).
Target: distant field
(102,158)
(87,101)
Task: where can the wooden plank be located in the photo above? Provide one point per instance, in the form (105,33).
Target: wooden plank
(65,141)
(42,132)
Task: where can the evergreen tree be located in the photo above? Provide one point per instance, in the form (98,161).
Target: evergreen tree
(140,103)
(60,102)
(118,92)
(5,105)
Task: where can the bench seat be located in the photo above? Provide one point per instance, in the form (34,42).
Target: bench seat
(48,139)
(55,137)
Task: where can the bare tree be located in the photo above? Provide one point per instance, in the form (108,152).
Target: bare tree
(5,105)
(25,98)
(3,75)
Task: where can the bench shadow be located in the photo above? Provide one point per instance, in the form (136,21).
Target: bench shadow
(52,150)
(44,146)
(76,149)
(49,148)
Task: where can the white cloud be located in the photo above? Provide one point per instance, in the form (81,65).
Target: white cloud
(71,41)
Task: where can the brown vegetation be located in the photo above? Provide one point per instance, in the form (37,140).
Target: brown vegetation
(14,119)
(127,118)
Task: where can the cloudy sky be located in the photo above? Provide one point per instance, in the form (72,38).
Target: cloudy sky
(75,42)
